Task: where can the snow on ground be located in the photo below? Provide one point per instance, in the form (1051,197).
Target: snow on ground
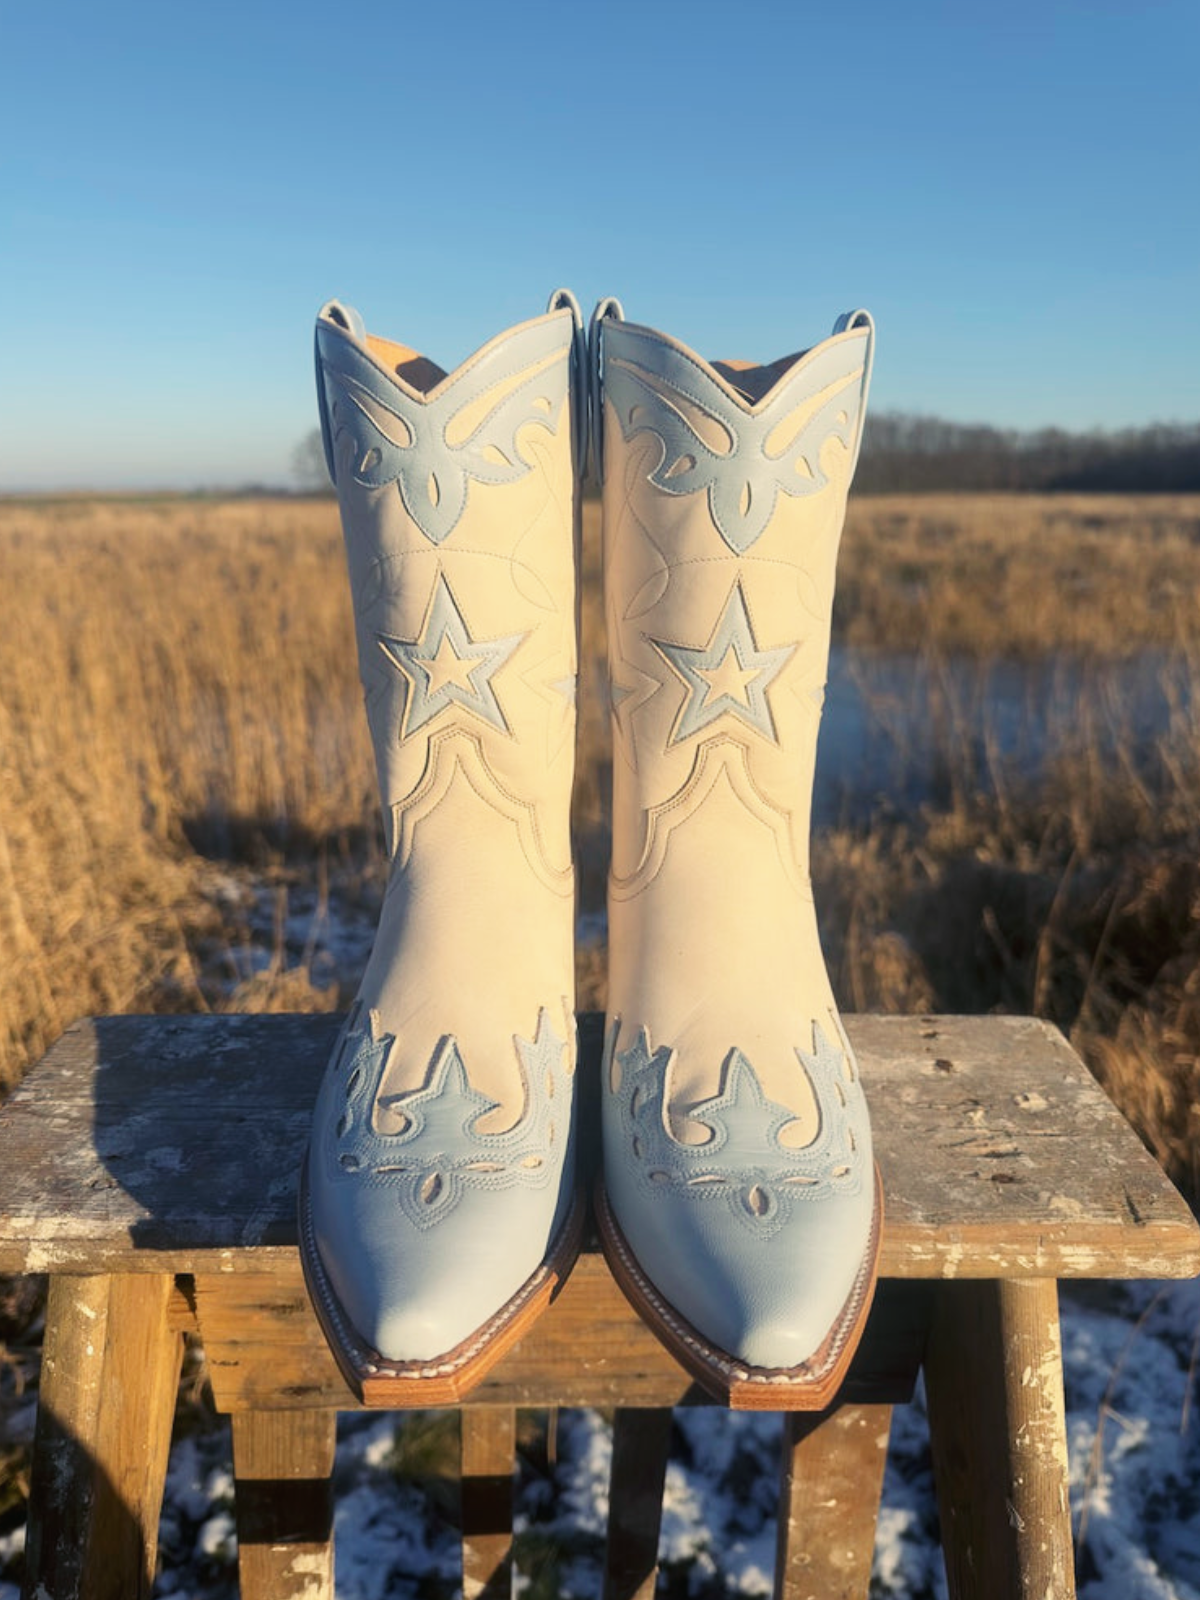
(1130,1355)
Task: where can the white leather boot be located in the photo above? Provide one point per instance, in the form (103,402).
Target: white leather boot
(439,1209)
(740,1206)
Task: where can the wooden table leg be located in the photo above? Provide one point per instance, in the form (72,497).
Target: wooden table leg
(282,1464)
(831,1478)
(641,1443)
(489,1440)
(110,1370)
(997,1425)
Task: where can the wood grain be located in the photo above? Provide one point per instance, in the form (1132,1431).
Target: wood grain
(62,1494)
(110,1371)
(831,1476)
(265,1349)
(993,1379)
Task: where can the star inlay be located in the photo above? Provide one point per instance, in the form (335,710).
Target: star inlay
(445,666)
(729,676)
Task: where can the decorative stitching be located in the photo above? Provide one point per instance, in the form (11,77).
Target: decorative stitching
(767,454)
(711,1354)
(715,686)
(451,751)
(760,1180)
(720,756)
(368,1360)
(437,1156)
(445,666)
(401,438)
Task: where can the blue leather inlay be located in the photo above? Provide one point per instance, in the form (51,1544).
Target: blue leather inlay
(398,438)
(445,666)
(426,1232)
(654,384)
(715,686)
(743,1165)
(438,1155)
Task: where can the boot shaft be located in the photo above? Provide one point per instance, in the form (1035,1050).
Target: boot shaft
(724,496)
(460,512)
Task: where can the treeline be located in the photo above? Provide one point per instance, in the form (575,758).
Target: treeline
(903,454)
(906,454)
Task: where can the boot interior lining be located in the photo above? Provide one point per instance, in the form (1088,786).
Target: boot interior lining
(753,381)
(418,371)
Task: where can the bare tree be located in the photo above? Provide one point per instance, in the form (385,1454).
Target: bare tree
(308,465)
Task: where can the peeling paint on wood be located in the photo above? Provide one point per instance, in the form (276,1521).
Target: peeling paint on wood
(172,1143)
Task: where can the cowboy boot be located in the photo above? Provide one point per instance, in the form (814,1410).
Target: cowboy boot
(740,1206)
(439,1208)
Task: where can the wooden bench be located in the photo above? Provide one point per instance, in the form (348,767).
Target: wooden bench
(149,1167)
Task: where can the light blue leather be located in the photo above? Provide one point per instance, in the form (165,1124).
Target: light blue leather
(410,1233)
(701,708)
(844,324)
(651,383)
(756,1244)
(398,439)
(415,657)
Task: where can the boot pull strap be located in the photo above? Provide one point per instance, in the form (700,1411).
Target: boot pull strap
(847,323)
(564,300)
(346,318)
(608,307)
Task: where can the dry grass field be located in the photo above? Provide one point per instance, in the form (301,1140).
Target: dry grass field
(178,702)
(1021,575)
(180,717)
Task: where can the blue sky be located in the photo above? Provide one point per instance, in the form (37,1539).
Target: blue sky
(1012,190)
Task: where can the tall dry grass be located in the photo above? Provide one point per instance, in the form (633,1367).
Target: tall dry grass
(173,679)
(178,692)
(1020,575)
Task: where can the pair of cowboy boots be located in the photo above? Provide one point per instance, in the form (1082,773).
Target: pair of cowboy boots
(739,1204)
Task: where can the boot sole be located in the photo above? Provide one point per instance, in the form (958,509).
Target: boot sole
(446,1379)
(807,1387)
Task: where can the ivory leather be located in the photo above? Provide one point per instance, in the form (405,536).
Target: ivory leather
(737,1149)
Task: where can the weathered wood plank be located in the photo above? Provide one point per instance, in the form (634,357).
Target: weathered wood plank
(996,1418)
(173,1143)
(62,1493)
(489,1442)
(282,1463)
(110,1371)
(265,1349)
(641,1443)
(831,1477)
(143,1356)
